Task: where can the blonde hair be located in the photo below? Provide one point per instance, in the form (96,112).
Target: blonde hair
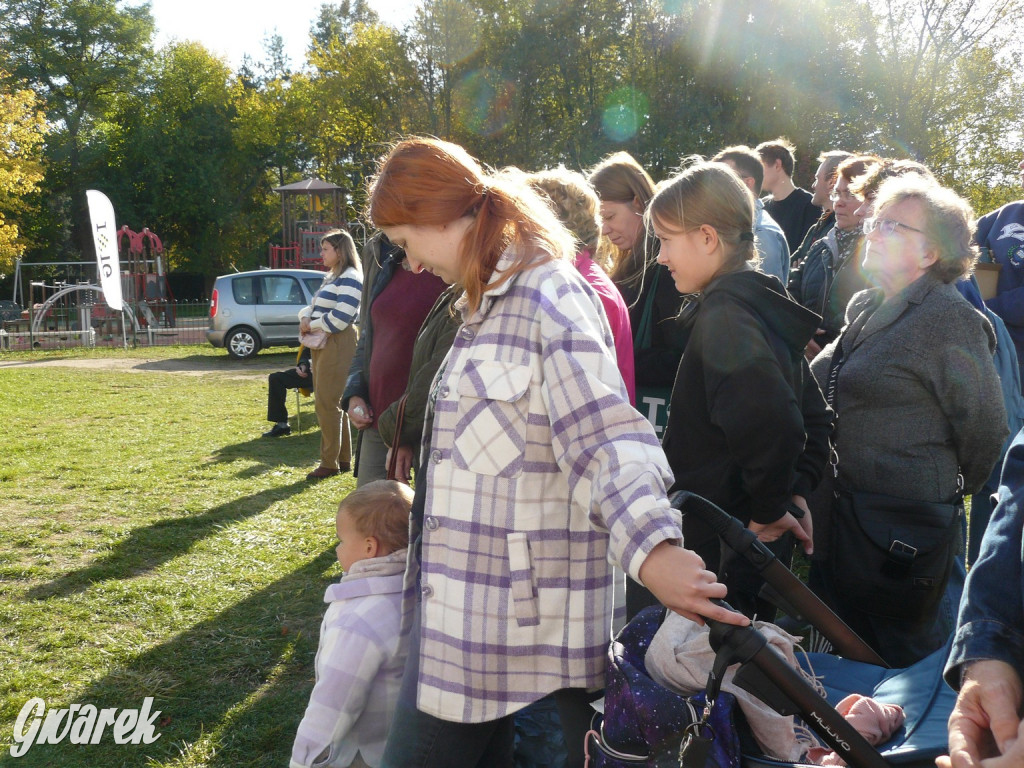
(948,222)
(343,243)
(380,509)
(424,181)
(573,201)
(709,194)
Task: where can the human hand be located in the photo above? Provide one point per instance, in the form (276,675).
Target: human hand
(403,464)
(304,325)
(813,347)
(772,531)
(984,728)
(678,578)
(359,413)
(302,370)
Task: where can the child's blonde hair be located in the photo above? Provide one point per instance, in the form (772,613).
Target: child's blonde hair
(381,509)
(574,201)
(708,194)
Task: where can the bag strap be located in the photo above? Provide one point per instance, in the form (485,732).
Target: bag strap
(393,460)
(644,331)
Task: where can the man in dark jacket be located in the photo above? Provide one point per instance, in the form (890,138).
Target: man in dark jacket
(1002,233)
(792,207)
(824,180)
(830,275)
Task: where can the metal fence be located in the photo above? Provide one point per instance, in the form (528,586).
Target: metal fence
(177,322)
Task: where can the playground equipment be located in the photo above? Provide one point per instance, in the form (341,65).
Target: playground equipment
(308,209)
(63,297)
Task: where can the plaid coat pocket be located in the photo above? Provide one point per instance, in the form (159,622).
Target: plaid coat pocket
(493,408)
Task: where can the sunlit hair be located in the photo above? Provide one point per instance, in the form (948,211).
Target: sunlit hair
(778,149)
(343,243)
(574,201)
(429,182)
(747,162)
(854,166)
(866,186)
(708,194)
(831,161)
(948,222)
(380,509)
(619,178)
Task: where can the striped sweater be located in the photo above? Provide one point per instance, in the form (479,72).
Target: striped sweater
(336,302)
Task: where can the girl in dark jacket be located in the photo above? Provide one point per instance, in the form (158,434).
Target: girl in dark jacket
(748,426)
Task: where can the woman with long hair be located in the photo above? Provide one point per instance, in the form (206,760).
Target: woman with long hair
(333,310)
(748,426)
(625,189)
(537,468)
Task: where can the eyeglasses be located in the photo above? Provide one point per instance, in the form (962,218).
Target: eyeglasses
(886,226)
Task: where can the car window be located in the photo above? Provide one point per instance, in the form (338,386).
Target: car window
(244,290)
(280,289)
(312,284)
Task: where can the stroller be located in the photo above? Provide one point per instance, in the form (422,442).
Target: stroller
(696,732)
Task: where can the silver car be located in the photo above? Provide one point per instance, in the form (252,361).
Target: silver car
(252,310)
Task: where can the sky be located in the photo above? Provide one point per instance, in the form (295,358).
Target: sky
(233,28)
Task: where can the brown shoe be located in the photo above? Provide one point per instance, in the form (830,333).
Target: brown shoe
(321,472)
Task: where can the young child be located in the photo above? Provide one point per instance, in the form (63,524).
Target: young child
(362,654)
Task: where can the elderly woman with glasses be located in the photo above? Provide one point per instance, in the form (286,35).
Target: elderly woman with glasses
(919,420)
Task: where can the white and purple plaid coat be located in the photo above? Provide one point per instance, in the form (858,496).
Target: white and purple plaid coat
(539,467)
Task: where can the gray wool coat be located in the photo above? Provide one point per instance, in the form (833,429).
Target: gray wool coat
(918,398)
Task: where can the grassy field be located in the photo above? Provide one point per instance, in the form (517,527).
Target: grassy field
(152,544)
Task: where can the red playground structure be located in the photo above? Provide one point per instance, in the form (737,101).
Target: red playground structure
(308,209)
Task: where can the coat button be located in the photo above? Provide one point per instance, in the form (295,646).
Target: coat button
(443,392)
(427,591)
(467,333)
(432,523)
(435,456)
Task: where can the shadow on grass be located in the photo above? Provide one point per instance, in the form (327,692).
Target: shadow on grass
(201,678)
(150,546)
(225,364)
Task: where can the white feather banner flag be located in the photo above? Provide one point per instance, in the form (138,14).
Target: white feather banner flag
(104,236)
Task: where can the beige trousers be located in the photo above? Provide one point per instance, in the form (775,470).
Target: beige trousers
(330,369)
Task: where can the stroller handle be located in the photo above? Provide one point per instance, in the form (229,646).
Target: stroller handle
(745,645)
(745,543)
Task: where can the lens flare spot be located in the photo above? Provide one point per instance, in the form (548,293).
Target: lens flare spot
(485,101)
(624,114)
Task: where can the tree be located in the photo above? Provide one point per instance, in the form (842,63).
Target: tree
(337,23)
(445,34)
(947,79)
(363,92)
(173,160)
(22,129)
(76,55)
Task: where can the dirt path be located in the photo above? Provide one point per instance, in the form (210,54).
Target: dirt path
(196,365)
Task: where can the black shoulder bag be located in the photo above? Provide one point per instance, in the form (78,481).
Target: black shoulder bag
(891,557)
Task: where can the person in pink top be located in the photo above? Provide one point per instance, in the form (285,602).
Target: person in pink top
(577,207)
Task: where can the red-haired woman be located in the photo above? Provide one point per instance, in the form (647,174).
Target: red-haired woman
(536,468)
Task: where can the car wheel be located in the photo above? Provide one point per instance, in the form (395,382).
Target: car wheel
(242,343)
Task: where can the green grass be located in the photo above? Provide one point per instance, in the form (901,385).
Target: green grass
(151,544)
